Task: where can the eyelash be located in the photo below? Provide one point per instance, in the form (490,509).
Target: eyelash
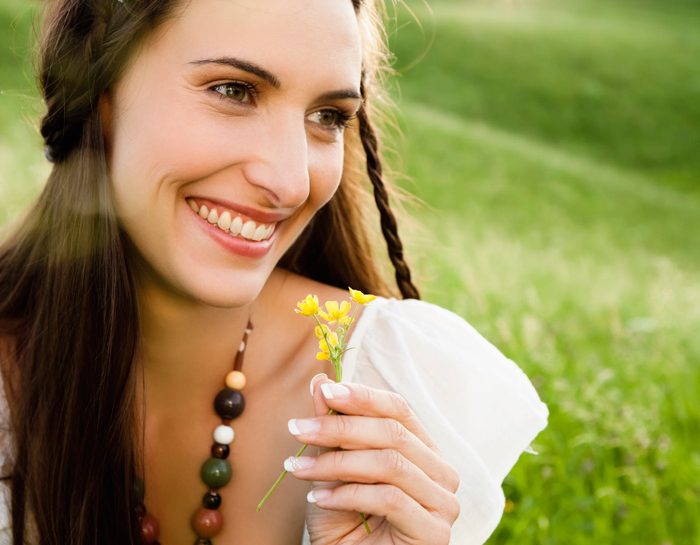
(343,118)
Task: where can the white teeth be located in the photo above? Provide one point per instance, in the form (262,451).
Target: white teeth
(259,233)
(248,229)
(224,221)
(236,225)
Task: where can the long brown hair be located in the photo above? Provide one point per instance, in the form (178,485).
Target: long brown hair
(68,314)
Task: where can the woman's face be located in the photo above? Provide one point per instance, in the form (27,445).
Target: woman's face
(235,106)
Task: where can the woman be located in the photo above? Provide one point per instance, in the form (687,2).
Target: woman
(207,175)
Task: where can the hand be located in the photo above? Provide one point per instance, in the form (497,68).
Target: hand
(385,465)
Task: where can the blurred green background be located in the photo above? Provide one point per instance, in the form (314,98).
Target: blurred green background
(558,146)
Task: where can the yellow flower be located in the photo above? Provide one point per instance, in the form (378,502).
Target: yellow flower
(319,330)
(332,339)
(335,312)
(307,306)
(360,297)
(345,321)
(325,351)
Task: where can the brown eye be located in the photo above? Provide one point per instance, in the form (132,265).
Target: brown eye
(331,119)
(236,91)
(328,118)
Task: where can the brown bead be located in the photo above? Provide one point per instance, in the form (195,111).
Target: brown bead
(206,522)
(235,380)
(220,451)
(229,403)
(149,530)
(211,500)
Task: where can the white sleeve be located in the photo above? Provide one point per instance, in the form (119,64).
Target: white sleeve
(477,405)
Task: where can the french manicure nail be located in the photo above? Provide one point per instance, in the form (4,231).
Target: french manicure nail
(293,463)
(313,381)
(331,390)
(297,426)
(318,494)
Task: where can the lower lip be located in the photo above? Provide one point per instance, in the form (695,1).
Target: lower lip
(235,245)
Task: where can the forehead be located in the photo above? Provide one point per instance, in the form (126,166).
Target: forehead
(283,36)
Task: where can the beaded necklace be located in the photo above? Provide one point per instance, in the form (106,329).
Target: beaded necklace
(216,470)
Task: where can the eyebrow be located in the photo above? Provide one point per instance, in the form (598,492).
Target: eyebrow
(270,78)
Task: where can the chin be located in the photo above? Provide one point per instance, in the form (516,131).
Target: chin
(232,288)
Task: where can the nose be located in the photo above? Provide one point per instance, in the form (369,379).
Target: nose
(279,158)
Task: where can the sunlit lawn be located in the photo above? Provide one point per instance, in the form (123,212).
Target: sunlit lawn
(557,145)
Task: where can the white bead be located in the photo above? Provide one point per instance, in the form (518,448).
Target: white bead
(223,434)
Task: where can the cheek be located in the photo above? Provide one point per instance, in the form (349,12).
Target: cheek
(156,141)
(326,170)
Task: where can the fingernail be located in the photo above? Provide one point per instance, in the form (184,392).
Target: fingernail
(332,390)
(313,381)
(298,426)
(318,494)
(293,464)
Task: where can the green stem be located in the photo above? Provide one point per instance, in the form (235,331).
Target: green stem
(278,481)
(338,378)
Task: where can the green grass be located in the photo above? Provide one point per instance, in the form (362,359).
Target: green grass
(22,165)
(556,144)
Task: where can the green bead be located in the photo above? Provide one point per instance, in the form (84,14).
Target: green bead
(216,472)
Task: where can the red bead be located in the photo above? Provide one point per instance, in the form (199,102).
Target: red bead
(206,522)
(149,530)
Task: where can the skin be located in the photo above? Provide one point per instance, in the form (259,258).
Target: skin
(176,127)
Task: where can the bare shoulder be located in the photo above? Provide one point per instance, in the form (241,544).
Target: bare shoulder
(295,287)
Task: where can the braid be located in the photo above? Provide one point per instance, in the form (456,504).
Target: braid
(84,47)
(68,74)
(388,221)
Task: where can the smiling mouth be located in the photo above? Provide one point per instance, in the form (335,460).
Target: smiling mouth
(233,223)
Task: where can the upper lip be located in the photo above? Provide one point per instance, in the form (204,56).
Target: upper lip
(259,216)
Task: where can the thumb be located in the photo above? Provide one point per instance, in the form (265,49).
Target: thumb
(320,406)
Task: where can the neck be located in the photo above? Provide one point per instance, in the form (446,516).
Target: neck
(187,347)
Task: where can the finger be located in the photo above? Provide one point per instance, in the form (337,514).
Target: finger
(365,432)
(368,401)
(359,399)
(385,466)
(403,513)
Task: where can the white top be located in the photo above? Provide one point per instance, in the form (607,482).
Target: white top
(476,404)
